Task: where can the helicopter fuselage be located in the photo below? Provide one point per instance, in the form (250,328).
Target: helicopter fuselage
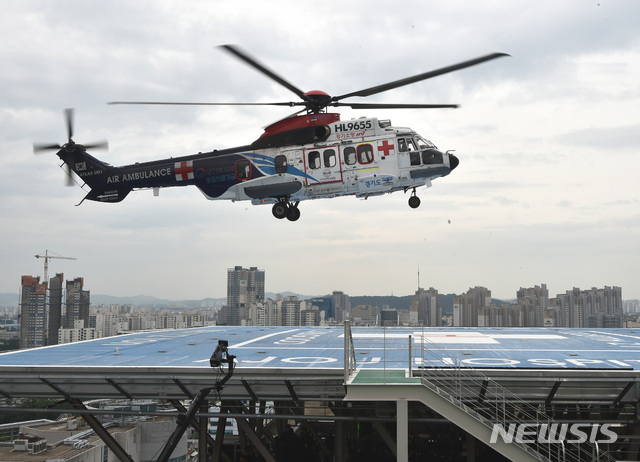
(297,159)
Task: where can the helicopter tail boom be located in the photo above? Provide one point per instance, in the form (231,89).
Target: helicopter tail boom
(95,173)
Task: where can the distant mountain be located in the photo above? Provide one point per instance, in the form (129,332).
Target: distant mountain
(155,302)
(402,303)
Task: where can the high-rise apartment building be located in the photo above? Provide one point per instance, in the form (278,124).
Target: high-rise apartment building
(55,308)
(33,312)
(290,309)
(424,310)
(77,304)
(245,288)
(590,308)
(533,302)
(264,314)
(342,305)
(467,307)
(311,316)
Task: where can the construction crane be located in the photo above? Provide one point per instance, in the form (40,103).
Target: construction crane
(46,257)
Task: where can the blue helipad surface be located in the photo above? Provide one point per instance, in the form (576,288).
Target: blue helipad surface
(323,348)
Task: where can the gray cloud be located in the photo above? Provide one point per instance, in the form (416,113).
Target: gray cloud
(546,190)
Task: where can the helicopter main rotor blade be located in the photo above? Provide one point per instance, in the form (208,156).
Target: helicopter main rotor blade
(419,77)
(178,103)
(256,65)
(395,106)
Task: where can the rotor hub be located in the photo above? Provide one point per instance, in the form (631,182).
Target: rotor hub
(317,100)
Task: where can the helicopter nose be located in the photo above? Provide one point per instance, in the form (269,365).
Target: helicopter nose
(453,161)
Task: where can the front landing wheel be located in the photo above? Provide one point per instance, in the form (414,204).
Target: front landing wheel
(414,202)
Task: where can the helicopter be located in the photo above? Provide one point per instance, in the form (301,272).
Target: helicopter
(310,154)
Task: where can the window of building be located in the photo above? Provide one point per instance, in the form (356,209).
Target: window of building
(329,158)
(365,153)
(314,159)
(243,169)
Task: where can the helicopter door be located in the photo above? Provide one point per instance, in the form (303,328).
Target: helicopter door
(408,155)
(323,165)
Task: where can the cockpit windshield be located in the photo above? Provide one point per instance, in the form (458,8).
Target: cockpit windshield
(425,144)
(416,143)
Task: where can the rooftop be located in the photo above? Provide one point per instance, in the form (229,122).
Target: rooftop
(308,362)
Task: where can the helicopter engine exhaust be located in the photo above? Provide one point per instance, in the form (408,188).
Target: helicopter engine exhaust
(322,132)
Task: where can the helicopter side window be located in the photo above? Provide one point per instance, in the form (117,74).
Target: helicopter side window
(314,160)
(280,163)
(329,158)
(349,155)
(365,153)
(406,145)
(243,169)
(402,145)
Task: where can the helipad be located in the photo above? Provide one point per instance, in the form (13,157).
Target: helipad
(172,363)
(314,347)
(325,378)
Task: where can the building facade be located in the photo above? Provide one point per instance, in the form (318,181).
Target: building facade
(467,308)
(533,302)
(33,312)
(327,304)
(590,308)
(424,310)
(245,287)
(342,305)
(290,309)
(55,308)
(77,304)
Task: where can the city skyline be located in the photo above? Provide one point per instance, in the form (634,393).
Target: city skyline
(43,322)
(546,189)
(312,295)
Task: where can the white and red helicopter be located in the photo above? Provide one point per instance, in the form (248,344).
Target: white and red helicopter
(309,155)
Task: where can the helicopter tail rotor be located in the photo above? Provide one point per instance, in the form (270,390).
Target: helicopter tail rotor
(65,151)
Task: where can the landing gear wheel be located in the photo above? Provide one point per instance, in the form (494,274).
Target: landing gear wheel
(293,213)
(414,201)
(280,210)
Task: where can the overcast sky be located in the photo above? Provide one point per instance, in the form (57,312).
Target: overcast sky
(547,190)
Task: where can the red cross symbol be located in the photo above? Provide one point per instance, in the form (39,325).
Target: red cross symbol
(184,170)
(385,147)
